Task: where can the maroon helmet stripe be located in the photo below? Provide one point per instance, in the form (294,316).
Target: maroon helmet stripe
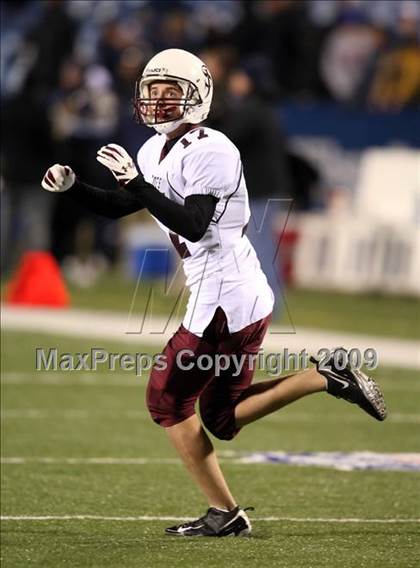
(47,182)
(50,176)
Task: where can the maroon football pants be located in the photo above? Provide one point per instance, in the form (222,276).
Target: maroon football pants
(173,391)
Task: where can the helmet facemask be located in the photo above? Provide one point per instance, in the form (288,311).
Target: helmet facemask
(159,113)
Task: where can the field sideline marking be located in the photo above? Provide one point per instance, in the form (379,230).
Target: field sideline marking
(347,461)
(114,326)
(169,518)
(87,461)
(128,379)
(76,413)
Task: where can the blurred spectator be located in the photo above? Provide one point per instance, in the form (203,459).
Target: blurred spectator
(346,53)
(212,23)
(116,37)
(84,107)
(129,134)
(42,39)
(305,179)
(84,115)
(173,31)
(284,36)
(345,58)
(124,50)
(287,39)
(26,152)
(259,51)
(54,39)
(396,79)
(250,123)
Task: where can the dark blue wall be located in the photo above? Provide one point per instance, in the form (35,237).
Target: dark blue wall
(353,129)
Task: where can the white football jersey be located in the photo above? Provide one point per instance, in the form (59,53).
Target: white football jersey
(222,269)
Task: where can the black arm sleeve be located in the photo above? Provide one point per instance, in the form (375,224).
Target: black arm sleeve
(189,220)
(112,203)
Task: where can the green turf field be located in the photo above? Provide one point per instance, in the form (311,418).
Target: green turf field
(375,314)
(79,416)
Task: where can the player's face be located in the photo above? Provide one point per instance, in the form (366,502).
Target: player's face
(167,106)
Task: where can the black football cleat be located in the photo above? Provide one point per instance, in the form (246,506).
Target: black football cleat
(215,523)
(352,385)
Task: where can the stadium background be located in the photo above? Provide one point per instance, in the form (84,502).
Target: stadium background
(322,98)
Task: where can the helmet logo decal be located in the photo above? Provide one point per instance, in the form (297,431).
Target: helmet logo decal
(157,70)
(208,79)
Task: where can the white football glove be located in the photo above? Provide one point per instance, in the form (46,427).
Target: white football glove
(118,161)
(58,178)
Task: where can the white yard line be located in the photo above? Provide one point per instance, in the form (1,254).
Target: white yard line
(156,332)
(89,461)
(227,456)
(75,413)
(342,461)
(67,379)
(128,379)
(171,518)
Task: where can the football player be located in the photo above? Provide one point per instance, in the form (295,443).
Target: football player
(191,180)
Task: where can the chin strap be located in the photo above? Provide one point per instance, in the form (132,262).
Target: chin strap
(167,127)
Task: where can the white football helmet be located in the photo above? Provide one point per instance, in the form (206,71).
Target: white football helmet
(190,74)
